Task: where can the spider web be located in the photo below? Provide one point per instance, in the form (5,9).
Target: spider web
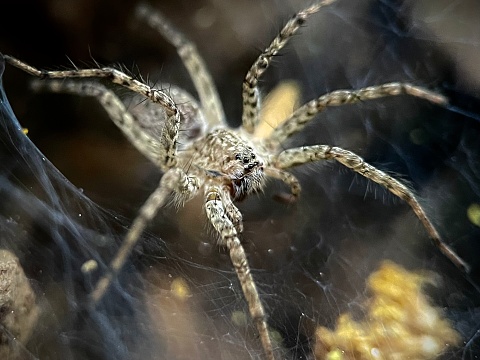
(178,296)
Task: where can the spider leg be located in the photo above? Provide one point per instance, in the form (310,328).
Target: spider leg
(173,181)
(192,60)
(297,156)
(250,92)
(288,179)
(307,112)
(218,216)
(144,136)
(232,211)
(193,122)
(172,123)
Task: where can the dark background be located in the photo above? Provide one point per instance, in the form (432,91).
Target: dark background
(310,259)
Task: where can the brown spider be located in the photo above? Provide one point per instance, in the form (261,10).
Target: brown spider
(225,165)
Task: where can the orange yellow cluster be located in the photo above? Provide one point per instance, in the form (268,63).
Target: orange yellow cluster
(400,322)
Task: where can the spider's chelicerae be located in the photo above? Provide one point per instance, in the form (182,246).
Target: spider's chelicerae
(225,165)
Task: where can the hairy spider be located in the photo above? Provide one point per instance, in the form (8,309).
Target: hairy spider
(225,165)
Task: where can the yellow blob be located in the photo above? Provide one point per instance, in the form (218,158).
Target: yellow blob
(473,213)
(277,106)
(400,322)
(25,131)
(180,289)
(239,318)
(89,266)
(335,354)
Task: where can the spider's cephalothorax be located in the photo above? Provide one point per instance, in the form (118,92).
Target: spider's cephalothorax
(228,159)
(222,164)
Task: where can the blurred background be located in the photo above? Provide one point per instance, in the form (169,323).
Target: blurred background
(179,297)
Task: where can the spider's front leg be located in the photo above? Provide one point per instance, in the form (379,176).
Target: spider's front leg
(231,210)
(173,181)
(219,217)
(297,156)
(288,179)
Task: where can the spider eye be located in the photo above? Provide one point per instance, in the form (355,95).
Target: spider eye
(245,160)
(238,157)
(253,156)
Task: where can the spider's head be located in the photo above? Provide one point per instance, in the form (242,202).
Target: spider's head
(244,173)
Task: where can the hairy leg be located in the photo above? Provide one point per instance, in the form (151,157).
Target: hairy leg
(217,215)
(297,156)
(172,121)
(173,181)
(288,179)
(250,94)
(232,211)
(207,92)
(144,136)
(297,121)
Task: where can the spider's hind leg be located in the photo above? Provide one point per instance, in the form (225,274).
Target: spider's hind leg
(250,92)
(167,139)
(143,137)
(202,80)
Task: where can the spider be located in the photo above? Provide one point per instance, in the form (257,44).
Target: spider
(222,164)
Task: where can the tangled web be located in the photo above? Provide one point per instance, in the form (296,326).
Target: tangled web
(178,297)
